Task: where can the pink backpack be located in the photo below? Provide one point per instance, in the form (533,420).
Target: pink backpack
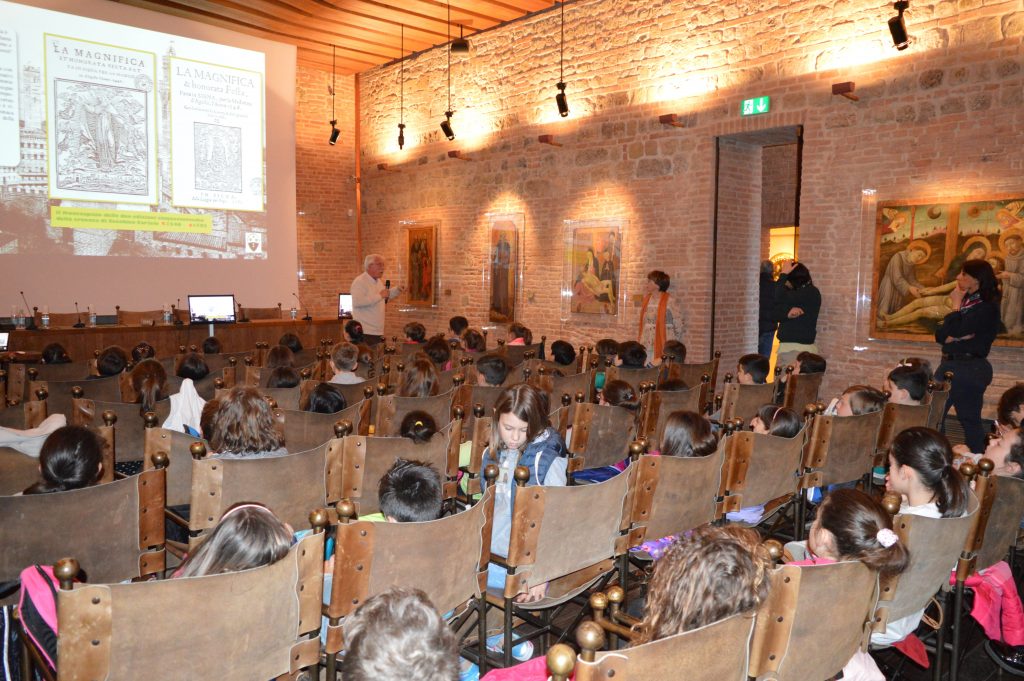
(37,607)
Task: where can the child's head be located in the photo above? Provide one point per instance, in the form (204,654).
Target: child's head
(492,369)
(517,330)
(326,398)
(212,346)
(438,351)
(632,355)
(705,576)
(345,357)
(675,351)
(906,385)
(418,426)
(620,394)
(398,635)
(143,350)
(1007,453)
(291,341)
(149,381)
(562,352)
(771,419)
(858,400)
(353,331)
(410,492)
(280,356)
(521,414)
(851,525)
(112,361)
(752,369)
(687,434)
(921,460)
(247,536)
(474,341)
(458,325)
(809,363)
(244,423)
(192,365)
(283,377)
(54,353)
(71,458)
(415,332)
(419,379)
(208,418)
(607,347)
(1010,410)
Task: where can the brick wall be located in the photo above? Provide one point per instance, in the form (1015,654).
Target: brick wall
(938,120)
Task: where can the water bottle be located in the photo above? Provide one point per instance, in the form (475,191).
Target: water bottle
(167,316)
(19,319)
(295,313)
(92,317)
(46,319)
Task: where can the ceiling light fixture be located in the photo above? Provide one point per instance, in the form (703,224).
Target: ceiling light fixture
(563,105)
(334,121)
(898,27)
(446,124)
(401,99)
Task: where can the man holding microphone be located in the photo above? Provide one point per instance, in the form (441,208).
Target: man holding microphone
(370,296)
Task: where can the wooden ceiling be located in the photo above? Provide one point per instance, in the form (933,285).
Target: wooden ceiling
(366,33)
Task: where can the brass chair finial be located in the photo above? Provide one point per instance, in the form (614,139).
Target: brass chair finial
(150,419)
(65,570)
(590,637)
(197,450)
(160,460)
(522,475)
(109,417)
(561,661)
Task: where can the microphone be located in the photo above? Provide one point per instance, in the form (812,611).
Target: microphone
(79,324)
(177,320)
(307,318)
(30,322)
(387,287)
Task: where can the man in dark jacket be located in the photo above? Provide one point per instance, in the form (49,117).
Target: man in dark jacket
(766,325)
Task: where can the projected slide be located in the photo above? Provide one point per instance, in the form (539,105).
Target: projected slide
(118,141)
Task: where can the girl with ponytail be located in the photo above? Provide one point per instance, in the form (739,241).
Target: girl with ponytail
(71,458)
(149,380)
(921,470)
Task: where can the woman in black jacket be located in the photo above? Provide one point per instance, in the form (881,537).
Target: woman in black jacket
(966,336)
(796,309)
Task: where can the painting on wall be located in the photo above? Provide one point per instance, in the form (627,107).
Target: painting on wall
(594,260)
(919,250)
(504,261)
(421,264)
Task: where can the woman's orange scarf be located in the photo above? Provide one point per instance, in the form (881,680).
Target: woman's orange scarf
(659,323)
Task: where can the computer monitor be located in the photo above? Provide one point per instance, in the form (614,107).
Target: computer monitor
(4,336)
(344,306)
(211,309)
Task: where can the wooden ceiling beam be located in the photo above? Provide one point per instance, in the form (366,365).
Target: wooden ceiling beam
(383,32)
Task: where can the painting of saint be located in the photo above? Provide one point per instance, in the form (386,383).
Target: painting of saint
(595,258)
(921,247)
(504,258)
(421,264)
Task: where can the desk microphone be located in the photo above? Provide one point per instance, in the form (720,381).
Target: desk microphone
(177,320)
(387,287)
(79,324)
(30,323)
(306,318)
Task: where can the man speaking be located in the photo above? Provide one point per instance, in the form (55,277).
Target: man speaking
(370,296)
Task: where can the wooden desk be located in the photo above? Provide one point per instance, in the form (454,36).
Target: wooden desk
(239,337)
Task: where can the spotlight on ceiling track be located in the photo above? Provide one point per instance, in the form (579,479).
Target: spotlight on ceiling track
(460,45)
(898,26)
(563,105)
(334,131)
(560,100)
(446,125)
(401,105)
(334,119)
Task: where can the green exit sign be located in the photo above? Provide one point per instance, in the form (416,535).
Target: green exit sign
(755,106)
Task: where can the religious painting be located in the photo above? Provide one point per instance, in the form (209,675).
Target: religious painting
(421,264)
(919,250)
(504,259)
(594,260)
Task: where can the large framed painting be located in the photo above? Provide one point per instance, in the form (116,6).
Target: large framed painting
(503,265)
(421,263)
(919,250)
(593,263)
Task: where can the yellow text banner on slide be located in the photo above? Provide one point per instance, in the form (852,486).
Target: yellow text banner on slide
(130,220)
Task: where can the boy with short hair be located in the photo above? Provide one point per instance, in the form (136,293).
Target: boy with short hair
(906,385)
(563,353)
(410,492)
(457,325)
(632,355)
(344,360)
(674,351)
(752,369)
(415,333)
(491,370)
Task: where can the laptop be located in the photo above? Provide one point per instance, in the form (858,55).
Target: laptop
(211,309)
(4,337)
(344,306)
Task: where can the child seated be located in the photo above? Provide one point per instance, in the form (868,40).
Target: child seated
(353,332)
(518,334)
(436,348)
(474,341)
(457,326)
(419,380)
(857,400)
(248,536)
(563,353)
(418,426)
(212,346)
(111,361)
(491,370)
(71,458)
(193,366)
(410,492)
(326,399)
(752,369)
(415,333)
(772,419)
(619,394)
(244,427)
(632,355)
(344,360)
(54,353)
(280,356)
(907,384)
(1010,410)
(398,635)
(674,351)
(283,377)
(291,341)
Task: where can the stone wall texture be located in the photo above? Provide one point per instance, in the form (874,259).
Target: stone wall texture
(939,120)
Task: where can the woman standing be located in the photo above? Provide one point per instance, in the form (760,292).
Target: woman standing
(966,336)
(796,310)
(660,318)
